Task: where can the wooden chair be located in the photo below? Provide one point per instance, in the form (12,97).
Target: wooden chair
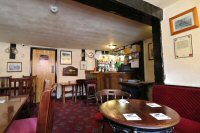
(4,85)
(42,124)
(22,86)
(34,85)
(109,94)
(105,95)
(46,84)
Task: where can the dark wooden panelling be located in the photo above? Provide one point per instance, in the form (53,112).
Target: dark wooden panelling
(136,10)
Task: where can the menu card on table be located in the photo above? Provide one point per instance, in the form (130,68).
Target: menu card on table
(132,116)
(123,101)
(160,116)
(153,105)
(2,101)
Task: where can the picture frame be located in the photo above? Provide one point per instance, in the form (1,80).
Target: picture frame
(150,51)
(83,65)
(183,47)
(184,21)
(65,57)
(14,66)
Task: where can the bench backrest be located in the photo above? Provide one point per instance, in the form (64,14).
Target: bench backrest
(185,100)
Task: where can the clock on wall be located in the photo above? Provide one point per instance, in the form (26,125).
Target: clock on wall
(91,55)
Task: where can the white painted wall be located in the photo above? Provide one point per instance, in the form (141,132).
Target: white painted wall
(181,71)
(24,57)
(148,64)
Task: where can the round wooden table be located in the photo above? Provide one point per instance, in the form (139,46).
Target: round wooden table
(113,110)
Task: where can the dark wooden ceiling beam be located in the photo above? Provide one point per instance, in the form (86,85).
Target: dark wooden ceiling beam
(144,7)
(139,11)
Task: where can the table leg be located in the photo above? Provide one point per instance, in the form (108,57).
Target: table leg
(63,94)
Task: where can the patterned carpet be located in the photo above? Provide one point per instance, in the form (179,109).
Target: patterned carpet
(76,118)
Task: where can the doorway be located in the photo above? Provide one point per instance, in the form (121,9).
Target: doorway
(43,65)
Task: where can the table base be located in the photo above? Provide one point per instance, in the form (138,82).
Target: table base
(117,128)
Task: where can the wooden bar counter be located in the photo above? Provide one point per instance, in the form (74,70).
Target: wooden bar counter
(109,80)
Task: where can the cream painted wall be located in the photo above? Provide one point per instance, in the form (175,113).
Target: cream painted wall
(148,64)
(182,71)
(23,56)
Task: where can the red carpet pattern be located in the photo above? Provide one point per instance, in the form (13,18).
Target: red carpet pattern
(76,118)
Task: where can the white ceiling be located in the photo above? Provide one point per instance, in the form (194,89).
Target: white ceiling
(161,3)
(74,26)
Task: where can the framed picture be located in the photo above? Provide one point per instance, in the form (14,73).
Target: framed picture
(14,67)
(83,65)
(185,21)
(183,47)
(65,57)
(150,51)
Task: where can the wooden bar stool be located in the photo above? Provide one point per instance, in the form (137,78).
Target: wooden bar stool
(91,89)
(81,86)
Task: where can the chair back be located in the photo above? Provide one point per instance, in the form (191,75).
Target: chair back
(46,112)
(4,84)
(34,85)
(20,86)
(46,85)
(109,94)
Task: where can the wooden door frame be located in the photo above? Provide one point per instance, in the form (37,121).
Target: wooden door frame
(50,49)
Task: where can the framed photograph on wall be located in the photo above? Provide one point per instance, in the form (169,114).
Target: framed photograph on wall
(83,65)
(65,57)
(14,66)
(150,51)
(183,47)
(184,21)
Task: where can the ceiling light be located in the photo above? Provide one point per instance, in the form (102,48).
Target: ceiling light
(112,46)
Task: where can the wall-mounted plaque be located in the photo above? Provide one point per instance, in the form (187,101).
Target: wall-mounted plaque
(70,71)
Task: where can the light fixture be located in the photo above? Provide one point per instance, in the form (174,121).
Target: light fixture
(54,8)
(112,46)
(12,50)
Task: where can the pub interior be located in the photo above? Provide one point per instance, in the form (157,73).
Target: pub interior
(86,66)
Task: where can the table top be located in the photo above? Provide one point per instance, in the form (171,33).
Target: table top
(9,106)
(136,84)
(114,110)
(68,83)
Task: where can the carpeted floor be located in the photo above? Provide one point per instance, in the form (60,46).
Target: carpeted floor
(76,118)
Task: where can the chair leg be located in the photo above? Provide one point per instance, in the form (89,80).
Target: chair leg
(102,127)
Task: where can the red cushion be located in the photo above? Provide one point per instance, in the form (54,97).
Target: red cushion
(23,126)
(99,116)
(187,126)
(185,100)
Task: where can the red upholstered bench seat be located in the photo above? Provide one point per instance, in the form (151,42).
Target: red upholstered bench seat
(187,126)
(185,100)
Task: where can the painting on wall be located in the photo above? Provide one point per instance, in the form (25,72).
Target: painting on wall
(14,67)
(185,21)
(83,65)
(183,47)
(150,51)
(65,57)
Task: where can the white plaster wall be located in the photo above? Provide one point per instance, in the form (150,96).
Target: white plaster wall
(76,58)
(148,64)
(181,71)
(22,56)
